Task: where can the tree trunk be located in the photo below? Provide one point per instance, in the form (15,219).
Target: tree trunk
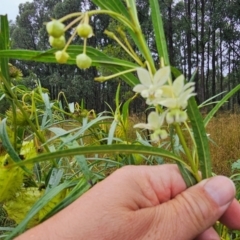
(202,86)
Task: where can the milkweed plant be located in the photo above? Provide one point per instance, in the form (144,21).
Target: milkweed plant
(177,130)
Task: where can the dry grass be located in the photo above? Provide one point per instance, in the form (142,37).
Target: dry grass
(224,130)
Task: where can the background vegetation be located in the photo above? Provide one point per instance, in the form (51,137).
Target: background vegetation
(200,34)
(71,150)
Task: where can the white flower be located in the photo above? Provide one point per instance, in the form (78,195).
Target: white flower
(175,96)
(71,107)
(155,122)
(150,87)
(176,115)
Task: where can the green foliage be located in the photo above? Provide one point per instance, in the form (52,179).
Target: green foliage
(72,148)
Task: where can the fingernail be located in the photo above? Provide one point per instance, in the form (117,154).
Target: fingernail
(221,189)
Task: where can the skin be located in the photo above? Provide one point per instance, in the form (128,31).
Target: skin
(145,202)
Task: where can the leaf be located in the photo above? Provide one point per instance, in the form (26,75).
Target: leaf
(236,165)
(129,78)
(98,58)
(4,44)
(208,101)
(113,5)
(55,178)
(81,187)
(6,142)
(45,199)
(125,109)
(114,65)
(112,131)
(200,137)
(187,175)
(84,167)
(159,31)
(224,99)
(118,148)
(8,146)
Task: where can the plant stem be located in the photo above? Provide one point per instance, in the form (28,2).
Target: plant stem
(17,103)
(187,152)
(134,56)
(70,40)
(14,126)
(102,79)
(131,5)
(93,12)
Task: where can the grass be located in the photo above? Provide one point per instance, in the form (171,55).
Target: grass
(224,130)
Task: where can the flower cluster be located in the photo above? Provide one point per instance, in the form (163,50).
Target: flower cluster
(159,90)
(56,30)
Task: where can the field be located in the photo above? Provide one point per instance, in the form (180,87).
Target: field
(224,132)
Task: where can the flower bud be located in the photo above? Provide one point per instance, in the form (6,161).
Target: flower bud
(57,42)
(83,61)
(61,56)
(55,28)
(84,30)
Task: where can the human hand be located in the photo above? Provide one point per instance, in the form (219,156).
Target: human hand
(145,202)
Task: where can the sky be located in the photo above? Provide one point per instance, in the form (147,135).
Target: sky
(10,7)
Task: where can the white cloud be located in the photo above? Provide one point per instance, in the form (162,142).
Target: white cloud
(10,7)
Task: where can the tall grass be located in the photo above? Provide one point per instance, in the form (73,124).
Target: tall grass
(224,131)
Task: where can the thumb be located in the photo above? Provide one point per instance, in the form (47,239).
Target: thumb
(193,211)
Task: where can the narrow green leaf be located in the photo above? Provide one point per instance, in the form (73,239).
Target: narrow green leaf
(131,4)
(8,146)
(113,5)
(112,131)
(125,109)
(187,175)
(6,142)
(200,137)
(45,199)
(159,31)
(129,78)
(4,44)
(55,178)
(224,99)
(117,97)
(81,187)
(98,58)
(84,167)
(111,149)
(208,101)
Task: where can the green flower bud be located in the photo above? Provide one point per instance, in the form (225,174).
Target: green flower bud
(83,61)
(55,28)
(61,56)
(57,42)
(84,30)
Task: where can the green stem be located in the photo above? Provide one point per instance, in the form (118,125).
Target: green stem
(110,13)
(84,45)
(187,152)
(70,40)
(33,111)
(72,23)
(134,56)
(102,78)
(17,103)
(131,5)
(14,126)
